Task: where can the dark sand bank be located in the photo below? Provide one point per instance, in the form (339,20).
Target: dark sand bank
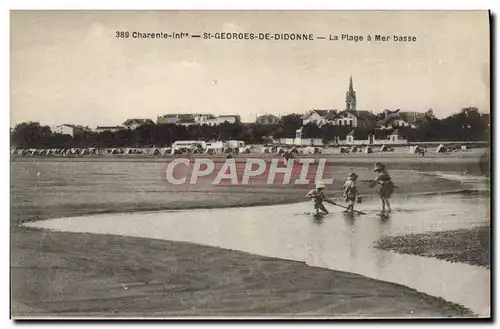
(471,246)
(82,274)
(65,274)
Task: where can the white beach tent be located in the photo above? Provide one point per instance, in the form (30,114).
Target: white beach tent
(441,149)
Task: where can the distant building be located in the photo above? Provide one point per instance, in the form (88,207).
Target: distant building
(135,123)
(72,130)
(401,119)
(201,119)
(267,119)
(229,118)
(361,136)
(197,119)
(319,117)
(350,97)
(352,118)
(113,129)
(175,118)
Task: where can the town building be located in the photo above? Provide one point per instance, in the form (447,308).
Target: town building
(350,97)
(318,117)
(352,118)
(360,136)
(197,119)
(69,129)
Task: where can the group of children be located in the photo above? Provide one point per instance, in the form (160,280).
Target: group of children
(350,195)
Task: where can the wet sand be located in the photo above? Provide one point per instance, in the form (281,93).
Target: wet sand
(55,262)
(471,246)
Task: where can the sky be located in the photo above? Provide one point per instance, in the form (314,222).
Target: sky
(69,67)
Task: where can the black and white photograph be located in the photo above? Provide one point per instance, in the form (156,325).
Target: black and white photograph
(251,164)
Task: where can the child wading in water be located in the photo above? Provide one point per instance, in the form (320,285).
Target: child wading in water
(350,191)
(386,185)
(318,197)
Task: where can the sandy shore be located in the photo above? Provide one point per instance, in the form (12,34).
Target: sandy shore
(81,274)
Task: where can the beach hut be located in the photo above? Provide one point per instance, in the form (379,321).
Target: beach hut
(441,149)
(385,148)
(155,151)
(165,150)
(245,149)
(464,147)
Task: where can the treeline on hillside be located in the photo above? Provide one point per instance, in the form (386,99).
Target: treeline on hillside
(468,124)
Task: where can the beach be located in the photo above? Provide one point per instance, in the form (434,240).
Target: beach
(65,274)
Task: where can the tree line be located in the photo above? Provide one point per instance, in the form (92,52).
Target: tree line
(468,124)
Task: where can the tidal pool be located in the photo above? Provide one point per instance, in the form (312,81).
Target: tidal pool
(339,241)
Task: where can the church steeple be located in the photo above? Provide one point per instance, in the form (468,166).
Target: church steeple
(350,97)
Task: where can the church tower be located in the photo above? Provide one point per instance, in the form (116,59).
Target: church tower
(350,97)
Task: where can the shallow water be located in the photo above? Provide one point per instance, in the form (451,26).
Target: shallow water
(339,241)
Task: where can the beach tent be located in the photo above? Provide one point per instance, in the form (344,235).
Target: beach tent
(384,148)
(155,151)
(464,147)
(280,150)
(165,150)
(368,150)
(245,149)
(354,149)
(441,149)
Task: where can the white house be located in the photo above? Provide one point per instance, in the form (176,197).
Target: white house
(351,118)
(72,130)
(396,138)
(366,137)
(201,119)
(319,117)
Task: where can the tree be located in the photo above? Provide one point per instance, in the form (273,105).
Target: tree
(311,130)
(31,135)
(289,124)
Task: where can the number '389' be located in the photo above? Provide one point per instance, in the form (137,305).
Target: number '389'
(122,34)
